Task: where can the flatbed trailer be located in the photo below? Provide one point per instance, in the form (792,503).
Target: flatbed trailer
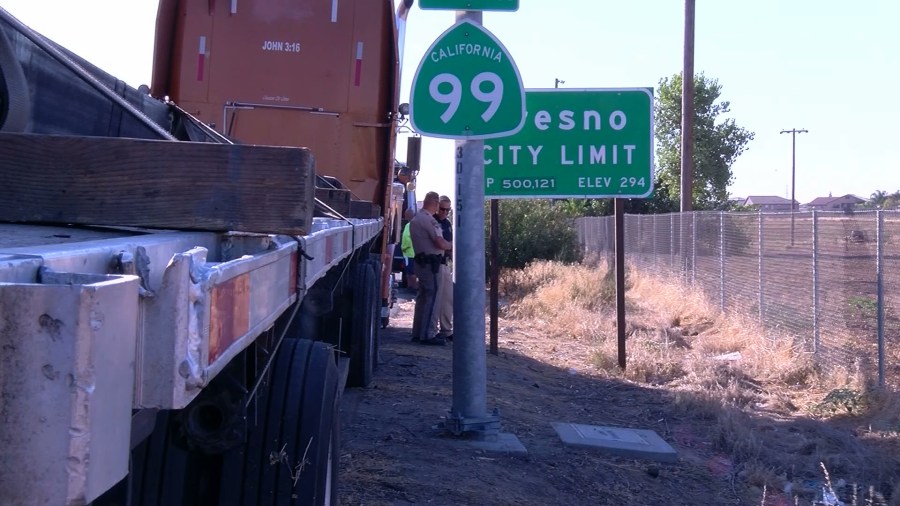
(183,298)
(104,347)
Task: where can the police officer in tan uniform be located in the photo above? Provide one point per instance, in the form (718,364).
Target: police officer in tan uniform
(429,245)
(444,313)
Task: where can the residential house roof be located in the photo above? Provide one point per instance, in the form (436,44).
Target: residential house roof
(843,199)
(763,200)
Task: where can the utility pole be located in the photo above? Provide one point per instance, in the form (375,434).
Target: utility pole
(558,82)
(793,133)
(687,110)
(687,137)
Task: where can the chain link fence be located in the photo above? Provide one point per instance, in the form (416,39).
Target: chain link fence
(828,281)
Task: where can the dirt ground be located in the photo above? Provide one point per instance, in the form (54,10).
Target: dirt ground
(392,454)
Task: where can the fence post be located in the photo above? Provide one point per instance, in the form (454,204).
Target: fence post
(694,248)
(641,241)
(606,241)
(879,270)
(815,277)
(762,284)
(672,242)
(722,258)
(655,249)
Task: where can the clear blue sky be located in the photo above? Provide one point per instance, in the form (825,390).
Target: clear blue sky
(829,67)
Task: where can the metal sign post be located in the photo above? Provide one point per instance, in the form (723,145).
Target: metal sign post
(468,88)
(468,413)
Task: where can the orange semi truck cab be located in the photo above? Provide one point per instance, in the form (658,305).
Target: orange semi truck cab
(322,75)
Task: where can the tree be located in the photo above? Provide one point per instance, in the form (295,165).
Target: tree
(534,229)
(891,201)
(586,207)
(717,144)
(881,199)
(877,198)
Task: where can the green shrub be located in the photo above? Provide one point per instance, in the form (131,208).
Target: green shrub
(534,230)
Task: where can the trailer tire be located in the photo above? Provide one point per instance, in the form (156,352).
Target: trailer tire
(163,471)
(364,326)
(289,458)
(378,302)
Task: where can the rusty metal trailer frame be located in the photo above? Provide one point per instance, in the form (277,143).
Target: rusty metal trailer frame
(95,329)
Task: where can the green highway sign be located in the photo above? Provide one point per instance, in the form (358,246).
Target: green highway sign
(471,5)
(593,143)
(467,87)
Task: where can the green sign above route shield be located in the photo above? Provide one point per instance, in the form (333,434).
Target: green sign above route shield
(467,87)
(595,143)
(471,5)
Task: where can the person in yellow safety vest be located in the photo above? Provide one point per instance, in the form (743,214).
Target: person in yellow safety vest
(408,252)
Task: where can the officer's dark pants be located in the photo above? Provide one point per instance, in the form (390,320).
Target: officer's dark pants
(424,317)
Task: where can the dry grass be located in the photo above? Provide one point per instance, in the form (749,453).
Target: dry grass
(769,407)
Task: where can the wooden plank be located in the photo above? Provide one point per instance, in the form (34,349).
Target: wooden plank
(342,202)
(339,200)
(364,209)
(155,184)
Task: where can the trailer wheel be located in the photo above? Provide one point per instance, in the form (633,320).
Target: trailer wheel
(163,471)
(378,303)
(289,456)
(364,326)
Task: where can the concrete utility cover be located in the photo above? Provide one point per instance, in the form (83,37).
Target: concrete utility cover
(634,443)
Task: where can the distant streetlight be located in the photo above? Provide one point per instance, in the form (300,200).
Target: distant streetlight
(793,133)
(558,82)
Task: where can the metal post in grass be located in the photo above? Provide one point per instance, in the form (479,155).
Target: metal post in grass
(653,241)
(879,283)
(606,237)
(815,277)
(469,409)
(722,259)
(641,243)
(672,241)
(495,277)
(620,278)
(693,248)
(760,260)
